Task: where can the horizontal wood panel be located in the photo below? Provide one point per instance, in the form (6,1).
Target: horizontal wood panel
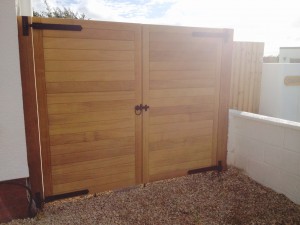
(188,117)
(180,166)
(292,80)
(86,184)
(92,164)
(90,126)
(182,55)
(91,55)
(89,76)
(180,133)
(90,116)
(91,174)
(89,97)
(91,136)
(171,110)
(180,92)
(202,142)
(161,128)
(201,46)
(169,84)
(179,101)
(208,73)
(113,186)
(154,66)
(88,33)
(181,36)
(178,155)
(90,106)
(92,145)
(70,66)
(70,43)
(91,155)
(89,86)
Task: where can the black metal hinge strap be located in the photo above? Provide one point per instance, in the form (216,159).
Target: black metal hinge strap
(47,26)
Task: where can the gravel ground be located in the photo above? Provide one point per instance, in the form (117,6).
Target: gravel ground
(207,198)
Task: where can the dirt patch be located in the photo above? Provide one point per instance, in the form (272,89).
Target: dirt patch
(207,198)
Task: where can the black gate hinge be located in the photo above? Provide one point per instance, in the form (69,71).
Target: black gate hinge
(47,26)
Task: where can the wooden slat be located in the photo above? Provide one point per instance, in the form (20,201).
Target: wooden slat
(158,111)
(162,84)
(161,128)
(154,66)
(91,155)
(88,33)
(183,143)
(175,156)
(186,133)
(92,164)
(180,92)
(90,116)
(89,126)
(62,139)
(207,73)
(89,86)
(203,46)
(187,117)
(292,80)
(70,66)
(182,55)
(90,106)
(92,145)
(89,97)
(91,55)
(246,76)
(89,76)
(90,174)
(194,100)
(85,184)
(181,166)
(70,43)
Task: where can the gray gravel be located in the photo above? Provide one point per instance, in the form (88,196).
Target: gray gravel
(207,198)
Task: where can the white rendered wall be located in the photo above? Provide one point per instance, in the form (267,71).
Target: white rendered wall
(277,99)
(13,157)
(267,149)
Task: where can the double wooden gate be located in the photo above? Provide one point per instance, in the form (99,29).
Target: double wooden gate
(89,82)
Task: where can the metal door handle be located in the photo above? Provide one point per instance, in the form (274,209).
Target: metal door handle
(139,109)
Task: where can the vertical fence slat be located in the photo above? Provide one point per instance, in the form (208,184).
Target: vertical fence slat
(246,76)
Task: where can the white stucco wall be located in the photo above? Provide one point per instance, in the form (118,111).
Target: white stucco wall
(267,149)
(277,99)
(13,157)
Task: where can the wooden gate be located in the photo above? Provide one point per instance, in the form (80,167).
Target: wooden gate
(88,83)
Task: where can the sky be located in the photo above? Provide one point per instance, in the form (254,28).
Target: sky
(274,22)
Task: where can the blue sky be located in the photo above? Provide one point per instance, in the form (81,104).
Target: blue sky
(277,23)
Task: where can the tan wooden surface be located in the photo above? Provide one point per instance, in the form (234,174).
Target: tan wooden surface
(292,80)
(88,84)
(246,74)
(181,83)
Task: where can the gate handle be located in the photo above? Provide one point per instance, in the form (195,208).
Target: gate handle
(139,109)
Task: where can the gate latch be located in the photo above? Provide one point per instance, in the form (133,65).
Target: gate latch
(139,109)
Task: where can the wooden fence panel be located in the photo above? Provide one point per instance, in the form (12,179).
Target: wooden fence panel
(246,73)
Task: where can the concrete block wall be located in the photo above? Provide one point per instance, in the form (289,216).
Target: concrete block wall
(267,149)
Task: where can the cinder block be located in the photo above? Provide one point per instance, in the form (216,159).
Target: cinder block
(273,155)
(292,139)
(257,171)
(290,184)
(273,178)
(240,161)
(268,133)
(290,161)
(250,147)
